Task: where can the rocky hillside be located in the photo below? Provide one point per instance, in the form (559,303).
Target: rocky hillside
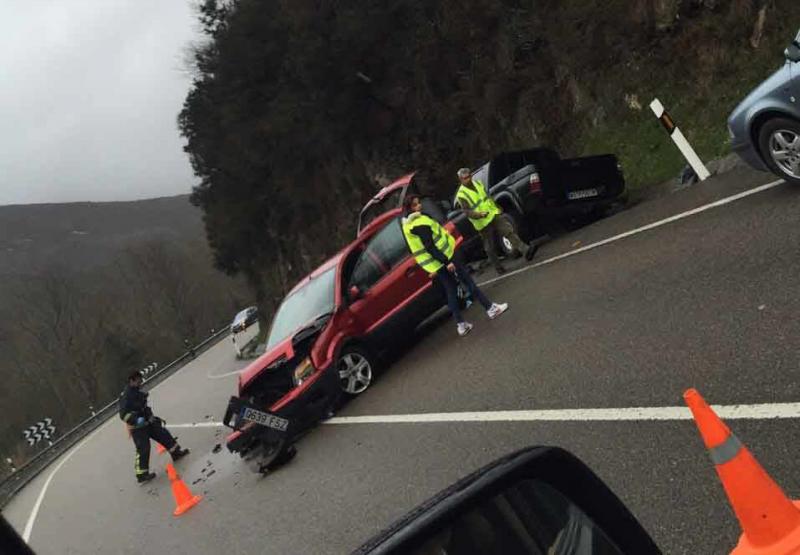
(300,108)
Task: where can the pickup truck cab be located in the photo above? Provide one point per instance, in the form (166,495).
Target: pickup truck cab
(536,186)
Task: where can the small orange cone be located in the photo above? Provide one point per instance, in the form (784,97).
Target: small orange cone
(184,500)
(770,521)
(160,448)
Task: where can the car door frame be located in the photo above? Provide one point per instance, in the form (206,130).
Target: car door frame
(379,318)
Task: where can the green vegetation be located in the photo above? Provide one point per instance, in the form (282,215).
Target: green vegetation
(698,95)
(298,106)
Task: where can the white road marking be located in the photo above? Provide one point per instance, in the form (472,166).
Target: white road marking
(196,425)
(638,230)
(220,376)
(626,414)
(761,411)
(26,533)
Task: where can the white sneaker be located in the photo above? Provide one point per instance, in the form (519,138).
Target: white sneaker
(464,328)
(496,310)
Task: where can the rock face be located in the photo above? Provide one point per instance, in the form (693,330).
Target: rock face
(666,13)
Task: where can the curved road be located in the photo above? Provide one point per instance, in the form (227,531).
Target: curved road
(708,299)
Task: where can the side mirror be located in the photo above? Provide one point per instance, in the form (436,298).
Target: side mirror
(354,293)
(538,500)
(792,53)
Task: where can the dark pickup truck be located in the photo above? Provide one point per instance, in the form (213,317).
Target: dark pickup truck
(535,187)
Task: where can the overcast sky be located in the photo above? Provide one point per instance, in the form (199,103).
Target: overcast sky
(89,95)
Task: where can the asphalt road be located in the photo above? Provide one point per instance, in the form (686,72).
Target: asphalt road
(708,301)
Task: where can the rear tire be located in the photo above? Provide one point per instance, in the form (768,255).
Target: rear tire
(503,244)
(779,144)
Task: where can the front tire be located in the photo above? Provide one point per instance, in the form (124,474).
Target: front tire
(779,142)
(356,370)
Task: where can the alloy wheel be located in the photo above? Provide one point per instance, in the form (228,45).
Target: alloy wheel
(355,373)
(784,148)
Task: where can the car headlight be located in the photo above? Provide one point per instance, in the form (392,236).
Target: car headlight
(303,371)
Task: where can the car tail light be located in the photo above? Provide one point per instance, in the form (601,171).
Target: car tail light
(535,183)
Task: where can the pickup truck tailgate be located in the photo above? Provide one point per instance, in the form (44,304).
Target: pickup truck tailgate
(591,178)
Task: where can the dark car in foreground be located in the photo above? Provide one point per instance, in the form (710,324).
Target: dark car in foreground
(765,127)
(329,335)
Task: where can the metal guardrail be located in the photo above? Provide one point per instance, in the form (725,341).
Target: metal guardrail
(10,486)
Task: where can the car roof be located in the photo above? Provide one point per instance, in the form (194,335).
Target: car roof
(333,261)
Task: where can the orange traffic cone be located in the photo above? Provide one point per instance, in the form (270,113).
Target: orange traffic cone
(184,500)
(770,521)
(160,448)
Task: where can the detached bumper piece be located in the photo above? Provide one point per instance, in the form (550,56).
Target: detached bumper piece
(262,438)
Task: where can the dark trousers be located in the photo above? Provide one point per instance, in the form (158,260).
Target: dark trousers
(141,439)
(449,283)
(492,233)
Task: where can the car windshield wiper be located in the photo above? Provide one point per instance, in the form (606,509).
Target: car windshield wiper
(313,326)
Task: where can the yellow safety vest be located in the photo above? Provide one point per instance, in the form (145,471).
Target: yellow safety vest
(441,238)
(478,200)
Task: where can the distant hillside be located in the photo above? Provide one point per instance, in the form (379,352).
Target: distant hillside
(85,234)
(91,291)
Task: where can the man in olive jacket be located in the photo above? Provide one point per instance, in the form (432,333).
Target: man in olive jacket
(143,425)
(484,214)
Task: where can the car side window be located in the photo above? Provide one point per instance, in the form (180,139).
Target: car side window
(382,253)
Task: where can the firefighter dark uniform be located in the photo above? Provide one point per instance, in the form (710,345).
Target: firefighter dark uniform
(143,426)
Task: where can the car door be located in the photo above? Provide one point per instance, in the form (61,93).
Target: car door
(388,279)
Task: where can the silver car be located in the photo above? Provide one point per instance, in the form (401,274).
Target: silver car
(765,127)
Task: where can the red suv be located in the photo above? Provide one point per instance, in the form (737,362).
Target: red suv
(328,335)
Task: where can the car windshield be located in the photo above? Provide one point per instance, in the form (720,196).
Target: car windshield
(312,300)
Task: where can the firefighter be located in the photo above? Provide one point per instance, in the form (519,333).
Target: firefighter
(143,425)
(434,250)
(483,212)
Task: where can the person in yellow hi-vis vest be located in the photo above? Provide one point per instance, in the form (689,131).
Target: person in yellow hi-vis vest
(434,249)
(483,212)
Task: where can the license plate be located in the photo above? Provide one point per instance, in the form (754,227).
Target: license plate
(265,419)
(585,193)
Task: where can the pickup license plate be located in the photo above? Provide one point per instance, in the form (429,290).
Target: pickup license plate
(265,419)
(585,193)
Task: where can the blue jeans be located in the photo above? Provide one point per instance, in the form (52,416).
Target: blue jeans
(448,281)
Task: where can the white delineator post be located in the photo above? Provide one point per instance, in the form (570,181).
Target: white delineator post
(235,346)
(678,138)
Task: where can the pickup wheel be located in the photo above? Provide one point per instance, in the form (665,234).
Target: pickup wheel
(779,142)
(503,243)
(356,368)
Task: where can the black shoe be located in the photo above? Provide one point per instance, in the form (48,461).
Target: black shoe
(146,477)
(178,454)
(531,252)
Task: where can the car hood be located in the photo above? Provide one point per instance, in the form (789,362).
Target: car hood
(271,359)
(297,344)
(768,87)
